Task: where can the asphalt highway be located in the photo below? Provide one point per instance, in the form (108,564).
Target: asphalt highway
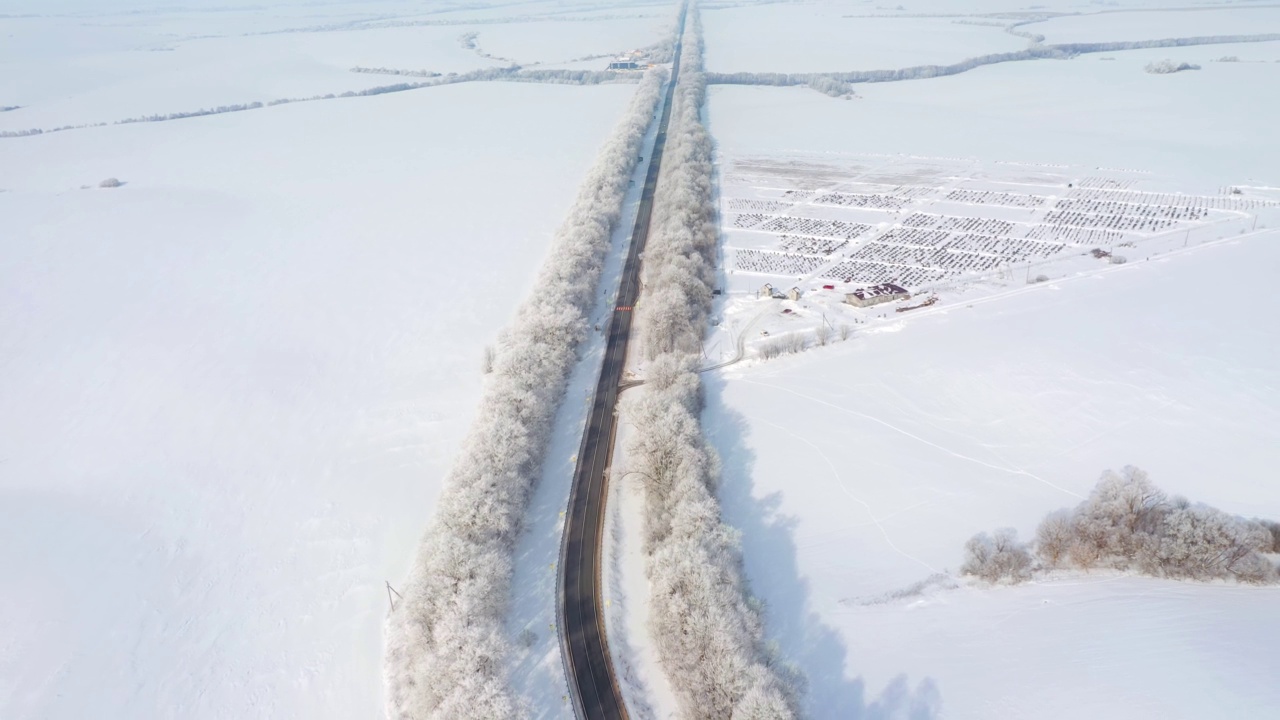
(593,684)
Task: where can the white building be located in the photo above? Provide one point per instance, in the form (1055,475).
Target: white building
(876,294)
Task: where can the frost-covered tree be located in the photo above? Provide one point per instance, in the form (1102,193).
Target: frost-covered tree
(446,646)
(1054,538)
(707,628)
(1127,523)
(1203,543)
(997,557)
(1121,513)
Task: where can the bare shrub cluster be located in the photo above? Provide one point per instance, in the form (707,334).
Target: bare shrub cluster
(1168,67)
(789,344)
(1127,523)
(445,642)
(705,624)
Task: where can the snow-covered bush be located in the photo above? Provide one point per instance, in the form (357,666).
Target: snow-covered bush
(445,642)
(707,628)
(1203,543)
(998,557)
(831,86)
(1127,523)
(1273,528)
(1168,67)
(1120,514)
(1055,537)
(110,183)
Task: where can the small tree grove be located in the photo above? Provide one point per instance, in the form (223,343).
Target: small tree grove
(1127,523)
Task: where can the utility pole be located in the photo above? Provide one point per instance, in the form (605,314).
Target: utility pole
(391,590)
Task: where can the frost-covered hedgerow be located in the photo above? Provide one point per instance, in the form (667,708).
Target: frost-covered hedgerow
(838,84)
(445,643)
(705,624)
(1127,523)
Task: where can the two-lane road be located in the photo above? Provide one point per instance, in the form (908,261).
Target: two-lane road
(592,682)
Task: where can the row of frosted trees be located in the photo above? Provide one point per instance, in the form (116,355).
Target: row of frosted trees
(704,622)
(839,84)
(445,643)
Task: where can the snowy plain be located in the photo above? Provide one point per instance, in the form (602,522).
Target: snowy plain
(856,471)
(1206,127)
(66,71)
(233,384)
(1152,24)
(817,38)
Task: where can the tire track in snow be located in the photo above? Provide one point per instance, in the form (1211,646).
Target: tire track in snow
(843,488)
(930,443)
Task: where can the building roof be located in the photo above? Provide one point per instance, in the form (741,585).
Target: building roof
(881,290)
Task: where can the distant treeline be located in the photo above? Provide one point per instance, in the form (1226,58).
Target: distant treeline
(382,24)
(499,74)
(829,83)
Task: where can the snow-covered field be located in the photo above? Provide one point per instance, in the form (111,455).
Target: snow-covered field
(233,384)
(857,470)
(1150,24)
(822,37)
(63,70)
(1206,127)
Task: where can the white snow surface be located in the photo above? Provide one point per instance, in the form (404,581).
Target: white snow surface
(856,471)
(69,70)
(1117,25)
(233,385)
(822,37)
(1204,127)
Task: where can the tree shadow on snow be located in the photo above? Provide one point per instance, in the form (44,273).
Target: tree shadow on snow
(769,553)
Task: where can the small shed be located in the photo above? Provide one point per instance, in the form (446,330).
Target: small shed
(876,294)
(766,291)
(793,294)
